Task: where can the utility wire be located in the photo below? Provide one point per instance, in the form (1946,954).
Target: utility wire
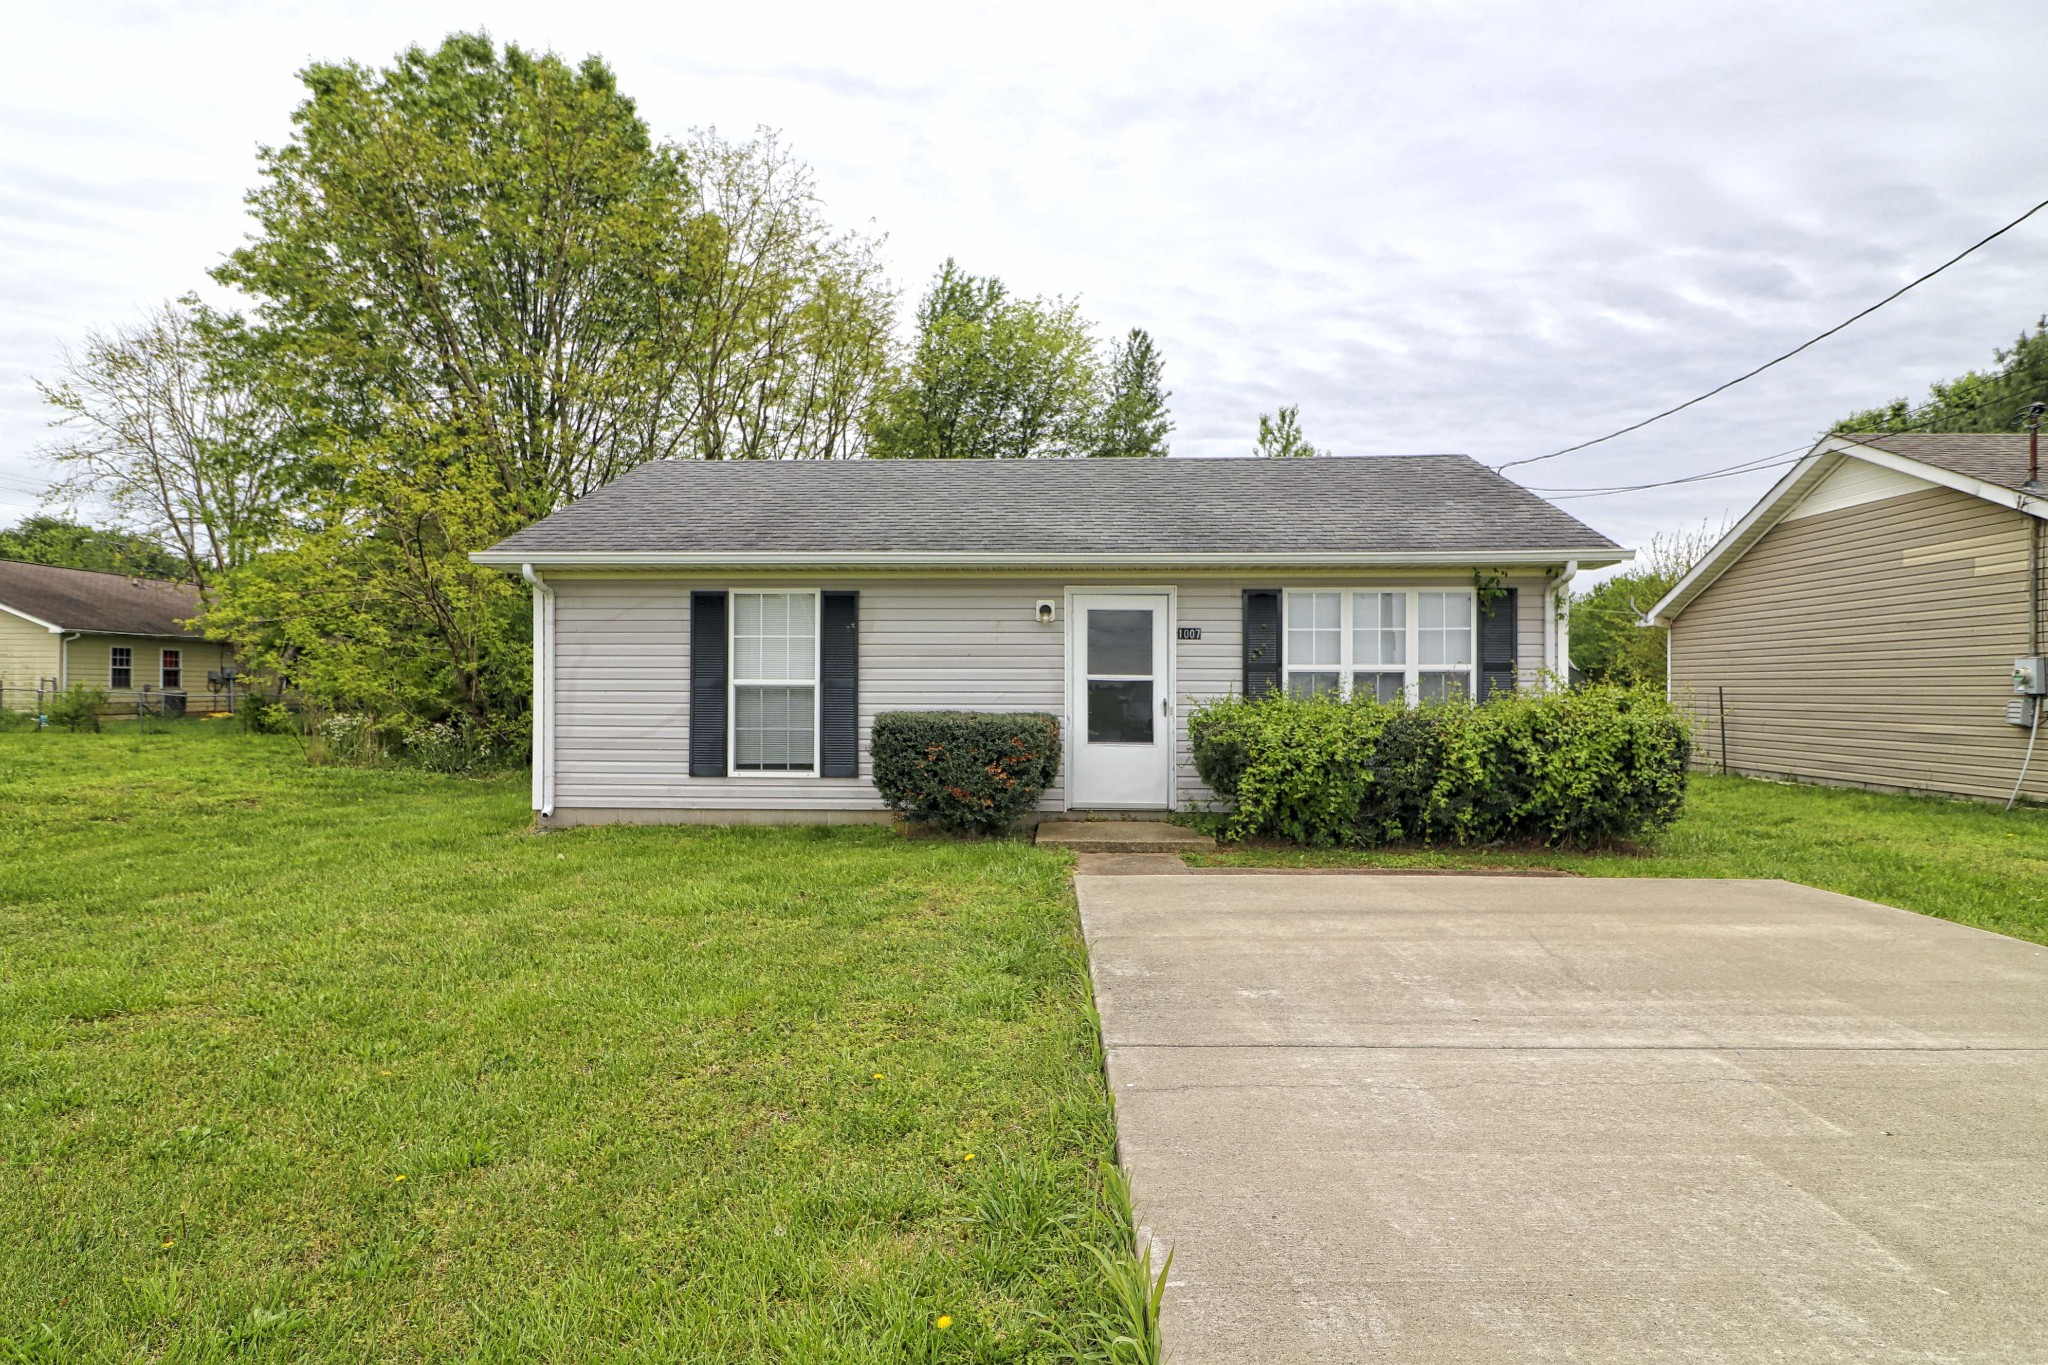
(1777,360)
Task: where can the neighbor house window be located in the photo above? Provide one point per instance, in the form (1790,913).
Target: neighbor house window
(120,668)
(774,682)
(1400,644)
(173,670)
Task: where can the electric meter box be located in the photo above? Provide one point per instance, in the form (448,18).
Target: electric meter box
(2030,676)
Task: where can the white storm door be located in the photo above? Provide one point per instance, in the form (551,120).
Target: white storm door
(1120,712)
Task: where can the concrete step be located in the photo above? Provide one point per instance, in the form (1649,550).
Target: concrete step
(1121,836)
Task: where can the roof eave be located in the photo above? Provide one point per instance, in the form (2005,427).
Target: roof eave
(1586,556)
(33,620)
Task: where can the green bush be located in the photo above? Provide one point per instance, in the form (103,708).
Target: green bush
(77,707)
(966,771)
(1591,765)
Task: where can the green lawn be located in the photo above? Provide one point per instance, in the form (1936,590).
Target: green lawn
(1960,860)
(320,1064)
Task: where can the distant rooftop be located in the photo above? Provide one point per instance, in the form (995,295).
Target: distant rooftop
(81,599)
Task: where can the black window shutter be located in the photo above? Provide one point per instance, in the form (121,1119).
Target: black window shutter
(839,679)
(707,684)
(1497,643)
(1261,641)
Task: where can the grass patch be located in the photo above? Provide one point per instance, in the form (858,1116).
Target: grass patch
(1960,860)
(324,1064)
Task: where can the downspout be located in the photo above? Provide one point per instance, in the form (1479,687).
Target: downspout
(64,642)
(543,692)
(1557,625)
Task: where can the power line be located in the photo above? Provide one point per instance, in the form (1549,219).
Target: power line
(1777,360)
(1726,471)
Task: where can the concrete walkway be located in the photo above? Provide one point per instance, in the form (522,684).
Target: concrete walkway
(1514,1119)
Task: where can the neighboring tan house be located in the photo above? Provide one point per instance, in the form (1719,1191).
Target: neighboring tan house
(713,639)
(1861,622)
(107,630)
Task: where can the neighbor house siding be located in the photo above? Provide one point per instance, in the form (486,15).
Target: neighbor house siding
(1869,645)
(622,671)
(88,659)
(28,657)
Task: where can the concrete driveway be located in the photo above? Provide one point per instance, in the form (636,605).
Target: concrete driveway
(1398,1118)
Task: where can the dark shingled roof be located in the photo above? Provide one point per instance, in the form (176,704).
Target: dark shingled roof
(1998,457)
(79,599)
(1420,504)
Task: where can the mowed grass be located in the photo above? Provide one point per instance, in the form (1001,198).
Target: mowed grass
(323,1064)
(1960,860)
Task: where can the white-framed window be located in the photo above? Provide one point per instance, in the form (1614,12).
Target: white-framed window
(172,674)
(120,668)
(1395,644)
(774,682)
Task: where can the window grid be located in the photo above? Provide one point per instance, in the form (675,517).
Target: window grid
(774,680)
(1396,644)
(171,671)
(120,668)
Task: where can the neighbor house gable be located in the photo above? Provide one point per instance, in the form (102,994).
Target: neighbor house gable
(1840,471)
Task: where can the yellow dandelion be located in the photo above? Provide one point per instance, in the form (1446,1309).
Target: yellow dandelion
(969,1157)
(943,1323)
(170,1241)
(878,1075)
(398,1180)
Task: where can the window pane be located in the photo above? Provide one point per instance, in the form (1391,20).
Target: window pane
(1380,686)
(1315,628)
(1120,641)
(1311,684)
(1440,687)
(1444,621)
(1379,633)
(774,637)
(1119,712)
(772,729)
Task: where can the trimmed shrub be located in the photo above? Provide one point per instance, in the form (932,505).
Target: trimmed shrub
(78,707)
(965,771)
(1587,766)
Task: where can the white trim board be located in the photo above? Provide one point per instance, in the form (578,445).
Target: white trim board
(860,559)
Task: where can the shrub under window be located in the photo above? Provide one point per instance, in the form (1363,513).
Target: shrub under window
(967,771)
(1585,766)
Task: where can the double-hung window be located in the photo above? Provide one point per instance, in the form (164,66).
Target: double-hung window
(120,668)
(1399,644)
(775,682)
(173,672)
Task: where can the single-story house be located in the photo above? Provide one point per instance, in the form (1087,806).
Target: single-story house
(713,639)
(1859,626)
(127,635)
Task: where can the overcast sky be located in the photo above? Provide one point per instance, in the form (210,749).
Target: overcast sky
(1488,228)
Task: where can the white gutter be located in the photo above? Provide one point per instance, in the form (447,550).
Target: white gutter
(734,559)
(543,691)
(1559,624)
(64,642)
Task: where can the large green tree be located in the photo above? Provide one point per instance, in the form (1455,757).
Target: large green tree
(70,545)
(1996,399)
(487,289)
(1134,417)
(991,376)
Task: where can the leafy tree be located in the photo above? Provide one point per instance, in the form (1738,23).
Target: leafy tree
(69,545)
(1280,436)
(1134,417)
(991,376)
(165,424)
(1609,641)
(1992,400)
(486,289)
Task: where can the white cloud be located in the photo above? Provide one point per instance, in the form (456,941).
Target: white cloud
(1484,227)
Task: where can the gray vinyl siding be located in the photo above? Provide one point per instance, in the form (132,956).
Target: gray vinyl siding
(1870,645)
(622,669)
